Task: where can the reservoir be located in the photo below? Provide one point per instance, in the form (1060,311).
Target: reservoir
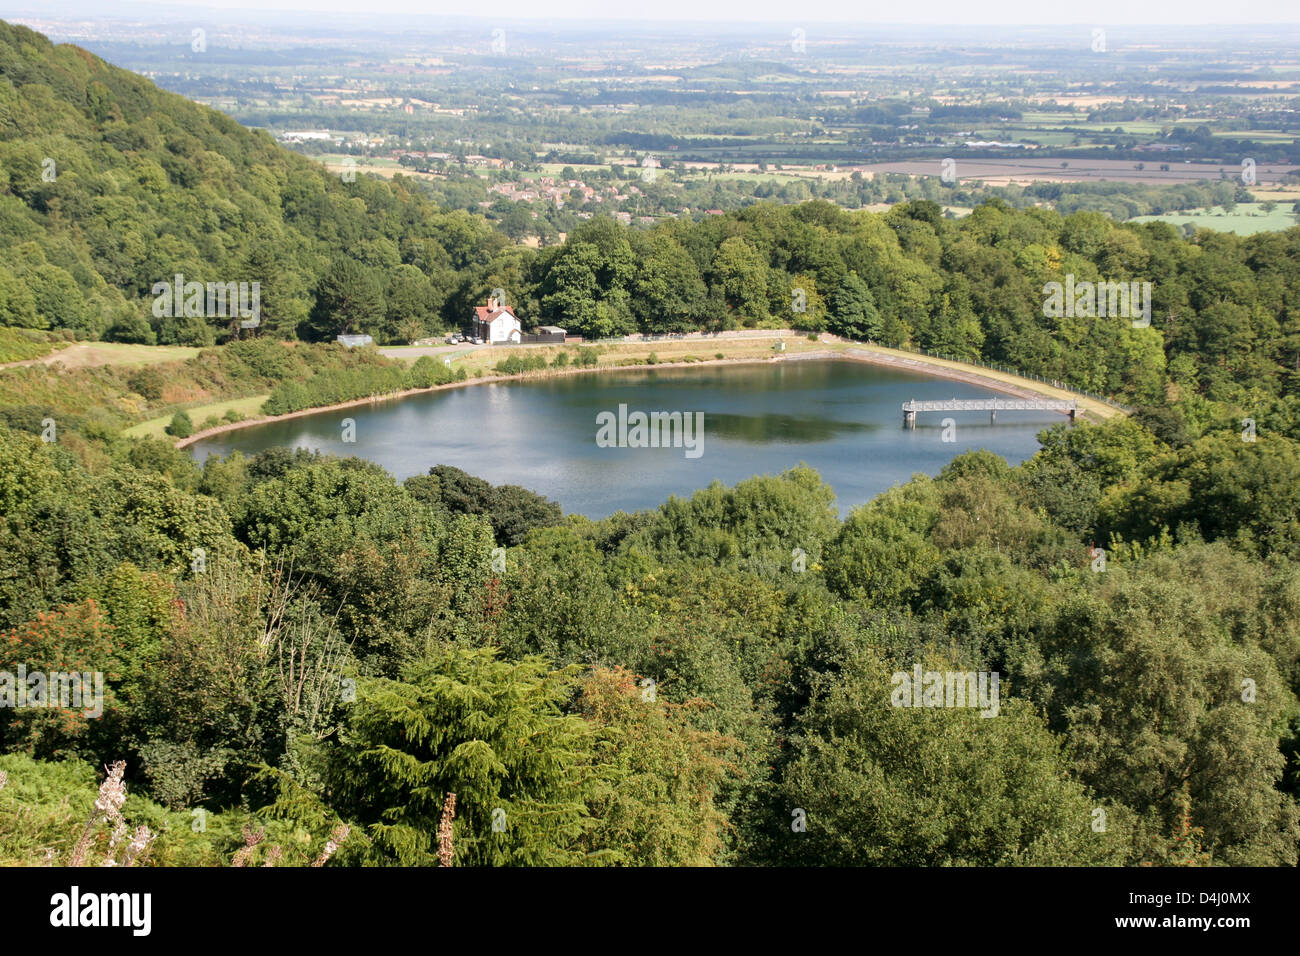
(841,417)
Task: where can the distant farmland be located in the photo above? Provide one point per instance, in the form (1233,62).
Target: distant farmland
(1245,220)
(1027,169)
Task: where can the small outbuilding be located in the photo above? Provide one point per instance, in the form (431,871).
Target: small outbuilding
(545,335)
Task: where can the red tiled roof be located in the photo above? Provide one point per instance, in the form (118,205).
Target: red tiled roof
(483,314)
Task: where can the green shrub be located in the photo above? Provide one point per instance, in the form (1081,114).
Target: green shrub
(332,386)
(45,805)
(185,330)
(265,358)
(427,372)
(180,425)
(131,328)
(518,364)
(147,381)
(19,345)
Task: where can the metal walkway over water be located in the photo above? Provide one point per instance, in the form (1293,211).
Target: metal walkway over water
(990,405)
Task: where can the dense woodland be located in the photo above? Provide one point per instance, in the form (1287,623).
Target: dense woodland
(293,643)
(149,185)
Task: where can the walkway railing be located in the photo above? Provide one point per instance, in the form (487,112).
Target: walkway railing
(1007,370)
(990,405)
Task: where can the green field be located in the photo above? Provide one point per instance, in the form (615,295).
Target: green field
(1260,135)
(88,354)
(154,427)
(1245,220)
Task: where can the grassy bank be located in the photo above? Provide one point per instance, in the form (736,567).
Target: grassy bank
(91,354)
(138,389)
(691,351)
(140,385)
(249,407)
(482,365)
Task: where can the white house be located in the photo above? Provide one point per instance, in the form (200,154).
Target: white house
(496,324)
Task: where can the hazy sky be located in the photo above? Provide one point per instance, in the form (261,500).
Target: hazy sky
(1096,13)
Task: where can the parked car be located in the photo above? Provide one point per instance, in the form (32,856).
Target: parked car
(477,340)
(453,340)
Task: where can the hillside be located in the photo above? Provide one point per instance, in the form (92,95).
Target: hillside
(109,185)
(310,656)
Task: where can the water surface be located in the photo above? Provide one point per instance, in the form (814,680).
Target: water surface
(843,418)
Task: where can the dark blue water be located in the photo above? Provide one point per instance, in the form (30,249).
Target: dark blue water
(842,418)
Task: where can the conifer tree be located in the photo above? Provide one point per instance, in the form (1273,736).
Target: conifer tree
(489,730)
